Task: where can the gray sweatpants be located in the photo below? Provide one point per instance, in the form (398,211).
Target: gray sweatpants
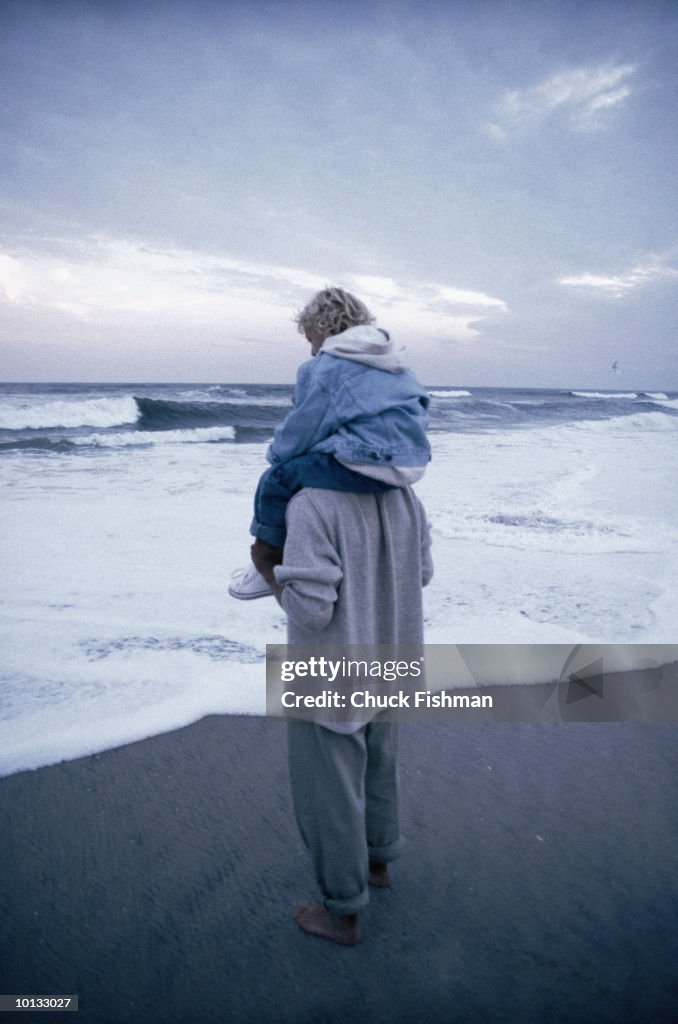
(345,795)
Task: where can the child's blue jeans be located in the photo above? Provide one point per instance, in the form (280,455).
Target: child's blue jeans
(279,483)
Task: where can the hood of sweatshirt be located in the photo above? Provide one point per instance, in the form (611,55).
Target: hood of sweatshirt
(365,344)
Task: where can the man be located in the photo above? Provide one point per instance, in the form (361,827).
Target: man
(352,573)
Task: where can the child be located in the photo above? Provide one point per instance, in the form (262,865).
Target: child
(359,424)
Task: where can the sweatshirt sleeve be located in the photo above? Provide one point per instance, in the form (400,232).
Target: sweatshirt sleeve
(311,573)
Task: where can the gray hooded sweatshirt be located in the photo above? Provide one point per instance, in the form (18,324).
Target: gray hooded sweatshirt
(353,569)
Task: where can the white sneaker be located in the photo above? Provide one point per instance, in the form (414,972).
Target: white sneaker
(248,584)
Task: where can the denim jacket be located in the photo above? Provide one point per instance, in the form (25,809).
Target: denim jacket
(357,401)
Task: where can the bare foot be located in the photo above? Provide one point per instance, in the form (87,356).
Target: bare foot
(379,874)
(313,918)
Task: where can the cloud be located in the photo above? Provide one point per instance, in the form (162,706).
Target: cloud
(11,279)
(582,95)
(618,285)
(459,297)
(103,280)
(427,309)
(114,281)
(380,287)
(494,131)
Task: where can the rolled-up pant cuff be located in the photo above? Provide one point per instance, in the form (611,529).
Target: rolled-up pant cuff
(270,534)
(386,854)
(347,906)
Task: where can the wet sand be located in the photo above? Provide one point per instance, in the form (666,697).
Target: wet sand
(156,881)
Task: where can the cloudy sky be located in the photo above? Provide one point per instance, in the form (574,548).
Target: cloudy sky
(496,180)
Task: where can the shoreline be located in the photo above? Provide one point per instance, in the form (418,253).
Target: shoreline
(645,691)
(156,881)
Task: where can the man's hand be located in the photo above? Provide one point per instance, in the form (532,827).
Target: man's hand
(265,557)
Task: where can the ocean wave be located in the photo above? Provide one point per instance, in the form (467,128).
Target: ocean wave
(273,403)
(604,394)
(669,403)
(129,438)
(450,394)
(217,394)
(85,412)
(164,414)
(650,421)
(43,444)
(656,396)
(121,439)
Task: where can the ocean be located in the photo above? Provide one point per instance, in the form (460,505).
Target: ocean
(126,507)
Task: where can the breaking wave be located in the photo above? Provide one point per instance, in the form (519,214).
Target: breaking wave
(450,394)
(85,412)
(612,395)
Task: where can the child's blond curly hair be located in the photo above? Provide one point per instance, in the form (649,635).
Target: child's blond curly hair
(332,311)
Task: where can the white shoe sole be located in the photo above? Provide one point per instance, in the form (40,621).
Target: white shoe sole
(249,597)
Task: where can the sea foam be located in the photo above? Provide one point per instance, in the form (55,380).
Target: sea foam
(119,557)
(450,394)
(198,435)
(612,395)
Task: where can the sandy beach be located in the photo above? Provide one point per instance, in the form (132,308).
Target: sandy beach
(156,882)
